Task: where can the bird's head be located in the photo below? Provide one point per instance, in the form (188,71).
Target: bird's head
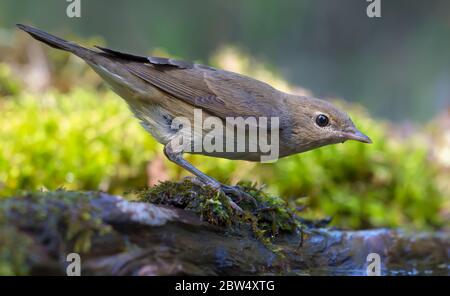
(318,123)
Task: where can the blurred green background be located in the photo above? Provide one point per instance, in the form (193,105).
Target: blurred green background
(60,126)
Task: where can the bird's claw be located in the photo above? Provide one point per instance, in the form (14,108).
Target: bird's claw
(227,193)
(233,205)
(234,194)
(238,193)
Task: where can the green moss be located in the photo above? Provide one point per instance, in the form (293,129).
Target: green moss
(204,201)
(268,218)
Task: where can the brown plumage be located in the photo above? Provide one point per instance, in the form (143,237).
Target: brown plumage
(160,89)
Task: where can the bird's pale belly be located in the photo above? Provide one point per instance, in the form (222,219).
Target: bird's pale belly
(158,121)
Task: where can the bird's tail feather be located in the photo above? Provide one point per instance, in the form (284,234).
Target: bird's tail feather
(56,42)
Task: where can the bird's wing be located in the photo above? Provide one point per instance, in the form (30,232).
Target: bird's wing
(218,92)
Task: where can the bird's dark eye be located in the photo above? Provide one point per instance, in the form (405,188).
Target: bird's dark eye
(322,120)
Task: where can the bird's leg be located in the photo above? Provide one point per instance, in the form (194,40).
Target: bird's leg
(177,157)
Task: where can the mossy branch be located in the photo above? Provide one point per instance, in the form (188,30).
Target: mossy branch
(184,229)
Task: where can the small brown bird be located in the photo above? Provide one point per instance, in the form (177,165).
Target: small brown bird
(159,90)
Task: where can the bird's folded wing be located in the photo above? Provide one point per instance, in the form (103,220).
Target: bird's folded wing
(220,93)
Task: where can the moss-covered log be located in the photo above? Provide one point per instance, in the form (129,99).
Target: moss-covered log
(119,237)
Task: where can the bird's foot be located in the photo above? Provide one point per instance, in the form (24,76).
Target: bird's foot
(228,191)
(238,193)
(234,194)
(229,195)
(233,205)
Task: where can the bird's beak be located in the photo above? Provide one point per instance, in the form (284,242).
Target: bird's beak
(356,135)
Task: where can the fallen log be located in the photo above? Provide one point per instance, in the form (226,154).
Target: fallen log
(114,236)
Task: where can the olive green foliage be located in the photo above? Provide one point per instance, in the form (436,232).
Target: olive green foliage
(85,138)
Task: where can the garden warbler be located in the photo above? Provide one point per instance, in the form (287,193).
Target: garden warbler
(160,90)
